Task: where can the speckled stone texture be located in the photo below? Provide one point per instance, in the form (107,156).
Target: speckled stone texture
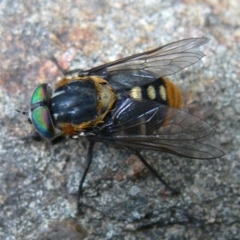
(122,200)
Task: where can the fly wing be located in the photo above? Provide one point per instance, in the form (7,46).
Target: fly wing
(144,68)
(149,125)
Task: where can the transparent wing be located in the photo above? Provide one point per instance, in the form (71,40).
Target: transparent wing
(143,68)
(150,125)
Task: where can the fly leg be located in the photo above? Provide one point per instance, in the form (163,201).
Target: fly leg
(154,171)
(80,187)
(63,71)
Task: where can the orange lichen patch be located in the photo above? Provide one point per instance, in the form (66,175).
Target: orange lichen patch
(174,96)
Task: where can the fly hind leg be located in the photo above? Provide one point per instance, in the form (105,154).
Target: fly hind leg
(154,171)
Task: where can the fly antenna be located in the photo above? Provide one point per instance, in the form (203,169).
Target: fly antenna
(22,112)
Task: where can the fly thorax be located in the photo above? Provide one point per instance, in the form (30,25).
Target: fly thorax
(80,103)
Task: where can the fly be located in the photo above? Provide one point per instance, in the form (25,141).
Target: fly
(128,102)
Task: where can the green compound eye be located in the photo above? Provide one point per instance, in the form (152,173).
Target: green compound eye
(42,121)
(40,93)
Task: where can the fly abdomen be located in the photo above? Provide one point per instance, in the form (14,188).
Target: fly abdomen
(161,90)
(133,117)
(162,93)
